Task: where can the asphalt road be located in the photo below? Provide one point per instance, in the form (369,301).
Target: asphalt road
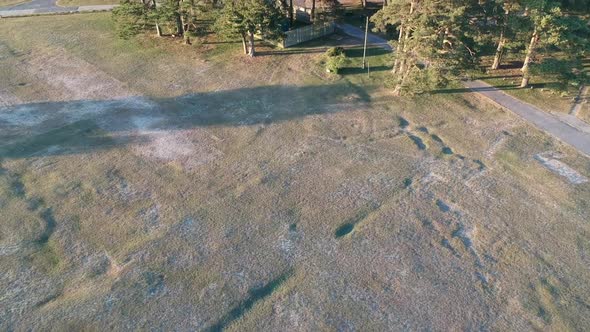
(565,127)
(36,7)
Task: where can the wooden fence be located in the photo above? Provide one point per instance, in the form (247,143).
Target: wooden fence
(306,33)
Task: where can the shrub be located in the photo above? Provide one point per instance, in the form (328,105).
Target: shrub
(334,51)
(335,59)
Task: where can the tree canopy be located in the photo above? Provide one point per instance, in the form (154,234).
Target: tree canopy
(247,18)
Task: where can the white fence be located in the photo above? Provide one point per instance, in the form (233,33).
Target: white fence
(306,33)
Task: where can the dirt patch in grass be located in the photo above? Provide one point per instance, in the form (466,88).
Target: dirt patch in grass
(173,187)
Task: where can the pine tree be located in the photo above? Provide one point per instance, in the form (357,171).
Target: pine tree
(246,18)
(131,17)
(553,31)
(433,46)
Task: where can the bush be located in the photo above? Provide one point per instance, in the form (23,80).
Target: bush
(334,51)
(335,59)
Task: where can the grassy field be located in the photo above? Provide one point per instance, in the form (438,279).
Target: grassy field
(77,3)
(176,187)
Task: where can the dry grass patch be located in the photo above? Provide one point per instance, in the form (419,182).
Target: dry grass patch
(194,189)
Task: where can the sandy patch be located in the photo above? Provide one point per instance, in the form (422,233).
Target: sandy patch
(73,78)
(551,162)
(191,148)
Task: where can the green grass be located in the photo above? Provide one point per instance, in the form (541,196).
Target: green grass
(183,181)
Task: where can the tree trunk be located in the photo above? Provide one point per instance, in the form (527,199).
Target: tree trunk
(397,91)
(528,59)
(399,46)
(186,37)
(402,63)
(364,3)
(499,52)
(158,29)
(291,13)
(530,51)
(502,41)
(244,43)
(179,26)
(312,10)
(404,35)
(251,40)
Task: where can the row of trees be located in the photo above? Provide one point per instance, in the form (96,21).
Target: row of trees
(441,40)
(437,40)
(232,18)
(173,17)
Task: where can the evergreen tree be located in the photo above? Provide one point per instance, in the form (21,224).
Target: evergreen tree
(552,31)
(434,43)
(246,18)
(131,17)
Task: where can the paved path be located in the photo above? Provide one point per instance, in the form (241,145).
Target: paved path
(37,7)
(566,127)
(372,39)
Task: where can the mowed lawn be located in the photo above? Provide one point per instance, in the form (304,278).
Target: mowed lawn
(145,184)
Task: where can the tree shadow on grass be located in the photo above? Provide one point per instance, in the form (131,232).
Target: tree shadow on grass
(84,126)
(357,52)
(493,88)
(221,42)
(359,70)
(289,51)
(498,76)
(483,89)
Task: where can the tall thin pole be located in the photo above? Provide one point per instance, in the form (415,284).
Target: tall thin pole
(365,47)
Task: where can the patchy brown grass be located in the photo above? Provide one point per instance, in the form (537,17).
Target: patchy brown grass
(174,187)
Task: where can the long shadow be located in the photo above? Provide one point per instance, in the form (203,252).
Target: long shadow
(357,52)
(511,65)
(497,76)
(254,296)
(221,42)
(462,90)
(83,126)
(497,87)
(288,51)
(359,70)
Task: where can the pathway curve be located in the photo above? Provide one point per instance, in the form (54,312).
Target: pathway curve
(372,39)
(566,127)
(37,7)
